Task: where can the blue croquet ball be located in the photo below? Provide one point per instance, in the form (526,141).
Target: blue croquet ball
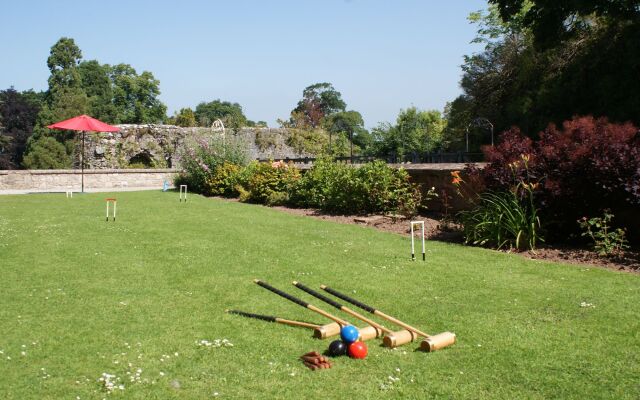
(337,348)
(349,334)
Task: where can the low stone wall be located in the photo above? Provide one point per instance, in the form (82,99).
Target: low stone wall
(425,175)
(62,180)
(439,176)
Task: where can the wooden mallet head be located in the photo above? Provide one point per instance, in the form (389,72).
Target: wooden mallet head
(439,341)
(394,339)
(327,330)
(333,329)
(370,331)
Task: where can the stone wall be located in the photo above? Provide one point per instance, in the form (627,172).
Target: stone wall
(11,181)
(439,176)
(156,146)
(63,180)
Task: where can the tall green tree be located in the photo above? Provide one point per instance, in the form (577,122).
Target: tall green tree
(135,97)
(230,114)
(415,132)
(318,102)
(553,22)
(63,61)
(535,70)
(64,99)
(350,125)
(96,82)
(66,96)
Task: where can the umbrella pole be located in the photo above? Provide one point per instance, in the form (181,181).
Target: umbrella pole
(82,163)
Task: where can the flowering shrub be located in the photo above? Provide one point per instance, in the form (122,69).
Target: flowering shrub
(201,158)
(587,166)
(503,218)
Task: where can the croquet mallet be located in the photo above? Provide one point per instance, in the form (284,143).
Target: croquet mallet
(323,331)
(379,328)
(430,342)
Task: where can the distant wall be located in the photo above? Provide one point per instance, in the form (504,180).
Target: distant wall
(156,146)
(62,180)
(425,175)
(438,176)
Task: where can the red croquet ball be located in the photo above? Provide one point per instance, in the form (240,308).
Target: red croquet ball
(358,350)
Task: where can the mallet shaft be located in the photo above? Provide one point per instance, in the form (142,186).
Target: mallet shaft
(373,310)
(297,323)
(326,314)
(300,302)
(400,323)
(340,307)
(270,318)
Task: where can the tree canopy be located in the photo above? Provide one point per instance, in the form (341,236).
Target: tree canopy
(535,70)
(186,117)
(414,132)
(229,113)
(318,102)
(18,113)
(114,94)
(553,21)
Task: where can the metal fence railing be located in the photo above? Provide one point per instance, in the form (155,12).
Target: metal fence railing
(415,158)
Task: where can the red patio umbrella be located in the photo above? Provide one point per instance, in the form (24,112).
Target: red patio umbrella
(83,123)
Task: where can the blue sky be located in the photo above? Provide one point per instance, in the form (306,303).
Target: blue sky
(381,55)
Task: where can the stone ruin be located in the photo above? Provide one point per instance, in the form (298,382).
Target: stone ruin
(156,146)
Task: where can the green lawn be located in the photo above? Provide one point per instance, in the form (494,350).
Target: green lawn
(82,297)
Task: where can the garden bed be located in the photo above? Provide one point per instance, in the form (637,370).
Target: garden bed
(435,229)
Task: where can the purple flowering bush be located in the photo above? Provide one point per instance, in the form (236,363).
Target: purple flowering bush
(201,158)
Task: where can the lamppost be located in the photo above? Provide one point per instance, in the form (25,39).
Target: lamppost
(401,142)
(426,139)
(480,122)
(351,141)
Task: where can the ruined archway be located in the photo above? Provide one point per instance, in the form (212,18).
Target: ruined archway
(141,160)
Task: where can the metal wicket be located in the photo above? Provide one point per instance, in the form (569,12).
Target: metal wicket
(185,192)
(413,254)
(115,202)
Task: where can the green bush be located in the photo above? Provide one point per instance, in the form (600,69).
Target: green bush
(372,187)
(223,180)
(606,240)
(329,186)
(46,153)
(269,183)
